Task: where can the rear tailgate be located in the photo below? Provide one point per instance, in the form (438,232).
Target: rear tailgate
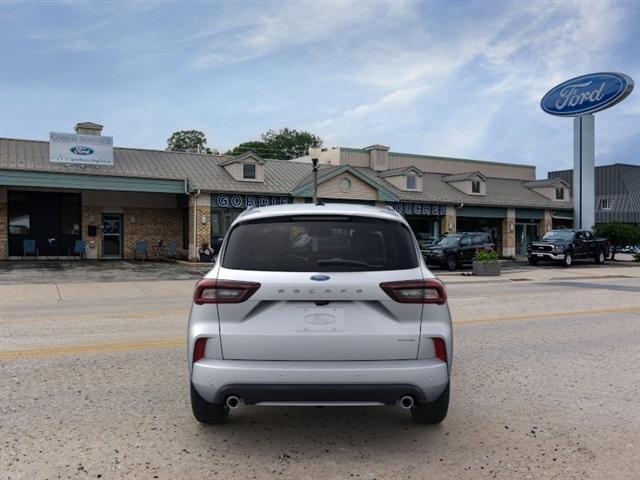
(292,317)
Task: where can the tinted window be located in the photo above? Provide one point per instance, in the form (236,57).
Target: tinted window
(479,240)
(448,241)
(559,235)
(465,242)
(320,244)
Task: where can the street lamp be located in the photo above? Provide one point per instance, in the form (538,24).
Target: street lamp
(314,153)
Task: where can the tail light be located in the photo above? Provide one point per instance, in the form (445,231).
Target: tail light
(199,348)
(416,291)
(440,349)
(209,290)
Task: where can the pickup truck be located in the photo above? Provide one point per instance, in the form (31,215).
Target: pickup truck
(564,246)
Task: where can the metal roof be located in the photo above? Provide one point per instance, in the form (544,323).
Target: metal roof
(619,183)
(547,182)
(459,177)
(204,171)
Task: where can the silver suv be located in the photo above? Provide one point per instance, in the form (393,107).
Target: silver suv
(320,305)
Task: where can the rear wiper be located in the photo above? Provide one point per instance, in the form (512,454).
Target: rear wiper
(343,261)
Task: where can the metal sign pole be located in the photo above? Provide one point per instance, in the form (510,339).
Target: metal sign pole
(583,172)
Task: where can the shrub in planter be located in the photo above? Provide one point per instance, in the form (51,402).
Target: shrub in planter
(486,264)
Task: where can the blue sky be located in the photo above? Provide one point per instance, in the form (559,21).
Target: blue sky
(460,79)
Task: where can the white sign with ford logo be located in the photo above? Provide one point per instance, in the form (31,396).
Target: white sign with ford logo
(80,149)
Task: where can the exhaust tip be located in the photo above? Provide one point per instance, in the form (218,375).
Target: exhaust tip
(233,402)
(406,402)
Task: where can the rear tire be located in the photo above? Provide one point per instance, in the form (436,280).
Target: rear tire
(434,412)
(206,412)
(450,263)
(567,261)
(533,261)
(600,257)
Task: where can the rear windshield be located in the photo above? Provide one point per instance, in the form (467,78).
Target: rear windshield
(320,244)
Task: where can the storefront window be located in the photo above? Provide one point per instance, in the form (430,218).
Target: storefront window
(52,219)
(19,214)
(70,214)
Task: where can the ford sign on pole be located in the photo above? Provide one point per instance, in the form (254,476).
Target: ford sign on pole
(80,149)
(580,97)
(587,94)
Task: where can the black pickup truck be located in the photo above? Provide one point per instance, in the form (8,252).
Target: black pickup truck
(565,246)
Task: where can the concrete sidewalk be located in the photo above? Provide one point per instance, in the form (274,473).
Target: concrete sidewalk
(538,274)
(94,291)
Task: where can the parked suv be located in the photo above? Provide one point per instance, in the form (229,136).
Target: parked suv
(455,249)
(320,305)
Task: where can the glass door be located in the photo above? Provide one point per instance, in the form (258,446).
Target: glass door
(111,235)
(525,234)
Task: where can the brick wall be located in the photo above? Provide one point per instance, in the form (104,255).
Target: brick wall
(202,206)
(91,215)
(152,225)
(509,233)
(449,220)
(546,223)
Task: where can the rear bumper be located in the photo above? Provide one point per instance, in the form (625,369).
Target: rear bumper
(258,382)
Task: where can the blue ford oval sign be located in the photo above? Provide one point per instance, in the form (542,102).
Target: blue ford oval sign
(79,150)
(587,94)
(320,278)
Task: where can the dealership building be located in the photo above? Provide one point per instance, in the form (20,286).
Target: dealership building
(79,187)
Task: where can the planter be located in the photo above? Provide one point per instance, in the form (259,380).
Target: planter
(486,269)
(206,258)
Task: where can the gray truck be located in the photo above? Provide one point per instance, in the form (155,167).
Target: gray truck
(565,246)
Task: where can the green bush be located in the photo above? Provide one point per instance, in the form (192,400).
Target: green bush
(486,257)
(619,234)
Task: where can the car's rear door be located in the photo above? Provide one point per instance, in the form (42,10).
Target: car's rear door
(335,311)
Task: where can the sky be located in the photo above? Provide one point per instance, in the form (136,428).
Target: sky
(445,78)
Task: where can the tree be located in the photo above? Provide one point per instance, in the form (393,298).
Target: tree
(188,141)
(255,146)
(619,234)
(283,144)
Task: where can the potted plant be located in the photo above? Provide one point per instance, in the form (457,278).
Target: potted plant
(205,252)
(486,264)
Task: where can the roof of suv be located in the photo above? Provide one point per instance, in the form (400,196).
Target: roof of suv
(326,209)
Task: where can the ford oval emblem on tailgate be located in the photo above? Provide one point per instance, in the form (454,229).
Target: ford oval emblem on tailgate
(319,319)
(320,278)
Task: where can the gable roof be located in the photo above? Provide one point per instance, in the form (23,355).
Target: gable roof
(305,187)
(547,182)
(395,172)
(243,157)
(459,177)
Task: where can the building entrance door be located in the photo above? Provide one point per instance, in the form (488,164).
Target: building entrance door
(111,236)
(525,234)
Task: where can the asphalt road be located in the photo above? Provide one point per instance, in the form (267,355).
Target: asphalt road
(545,385)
